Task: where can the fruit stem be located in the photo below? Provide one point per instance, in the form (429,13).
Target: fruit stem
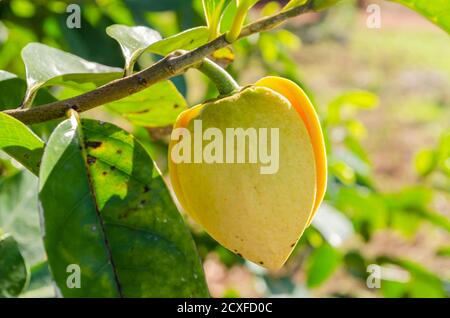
(224,82)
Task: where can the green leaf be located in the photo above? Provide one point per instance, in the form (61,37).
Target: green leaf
(415,201)
(443,251)
(321,264)
(107,210)
(13,270)
(437,11)
(366,209)
(186,40)
(157,106)
(4,75)
(41,282)
(20,142)
(294,3)
(13,89)
(133,42)
(425,161)
(47,66)
(19,214)
(355,264)
(323,4)
(214,10)
(347,104)
(343,172)
(423,283)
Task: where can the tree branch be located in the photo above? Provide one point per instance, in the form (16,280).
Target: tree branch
(164,69)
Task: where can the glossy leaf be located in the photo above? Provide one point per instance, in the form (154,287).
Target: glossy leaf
(437,11)
(20,142)
(133,41)
(19,214)
(157,106)
(186,40)
(107,210)
(13,270)
(49,66)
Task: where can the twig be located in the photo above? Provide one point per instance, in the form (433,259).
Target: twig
(162,70)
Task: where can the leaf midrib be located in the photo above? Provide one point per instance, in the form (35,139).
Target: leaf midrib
(97,210)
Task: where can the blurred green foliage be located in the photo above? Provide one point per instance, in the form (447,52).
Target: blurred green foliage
(355,209)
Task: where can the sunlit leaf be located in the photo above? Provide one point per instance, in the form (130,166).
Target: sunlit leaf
(437,11)
(157,106)
(13,270)
(223,57)
(213,12)
(20,142)
(347,104)
(186,40)
(343,172)
(133,41)
(294,3)
(270,8)
(107,210)
(425,161)
(49,66)
(288,39)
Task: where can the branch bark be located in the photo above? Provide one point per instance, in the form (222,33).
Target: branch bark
(164,69)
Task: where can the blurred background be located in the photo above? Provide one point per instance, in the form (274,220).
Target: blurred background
(383,96)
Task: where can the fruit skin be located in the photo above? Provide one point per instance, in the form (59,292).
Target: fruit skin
(259,217)
(304,107)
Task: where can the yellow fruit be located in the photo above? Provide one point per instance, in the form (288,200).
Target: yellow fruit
(258,209)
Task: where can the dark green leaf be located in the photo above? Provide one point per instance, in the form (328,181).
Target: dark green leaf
(107,210)
(13,270)
(13,89)
(20,142)
(356,265)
